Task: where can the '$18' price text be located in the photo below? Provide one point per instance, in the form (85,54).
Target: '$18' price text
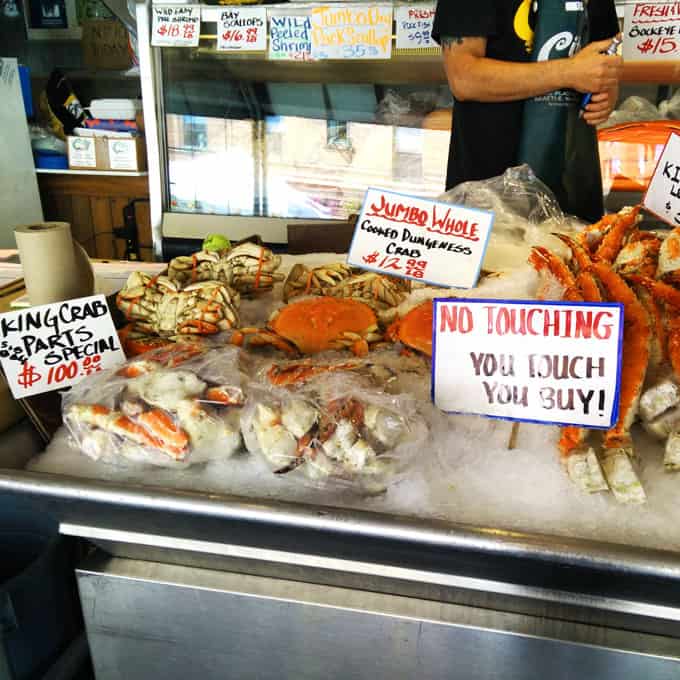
(29,376)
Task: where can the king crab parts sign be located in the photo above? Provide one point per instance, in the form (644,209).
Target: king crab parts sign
(544,362)
(663,194)
(415,238)
(50,347)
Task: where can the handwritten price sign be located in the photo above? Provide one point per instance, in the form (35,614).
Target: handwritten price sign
(414,26)
(415,238)
(663,193)
(175,25)
(243,29)
(50,347)
(352,32)
(290,38)
(651,31)
(543,362)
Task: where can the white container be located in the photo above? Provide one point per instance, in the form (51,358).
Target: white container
(115,109)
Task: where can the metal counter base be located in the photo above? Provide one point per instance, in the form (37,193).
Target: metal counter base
(147,620)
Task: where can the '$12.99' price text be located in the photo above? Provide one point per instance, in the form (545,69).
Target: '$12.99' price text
(29,376)
(413,267)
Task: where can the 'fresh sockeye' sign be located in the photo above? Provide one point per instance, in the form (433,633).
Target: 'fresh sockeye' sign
(415,238)
(545,362)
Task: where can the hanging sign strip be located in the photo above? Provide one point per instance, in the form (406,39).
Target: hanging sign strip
(242,29)
(414,26)
(651,31)
(290,38)
(540,362)
(663,193)
(50,347)
(175,25)
(416,238)
(351,32)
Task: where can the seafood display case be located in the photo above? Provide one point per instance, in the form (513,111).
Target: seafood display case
(269,518)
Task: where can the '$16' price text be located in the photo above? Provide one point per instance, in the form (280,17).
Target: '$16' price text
(29,376)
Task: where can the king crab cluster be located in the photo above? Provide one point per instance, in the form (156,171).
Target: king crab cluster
(617,261)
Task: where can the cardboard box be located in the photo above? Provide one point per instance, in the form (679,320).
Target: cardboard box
(105,45)
(121,154)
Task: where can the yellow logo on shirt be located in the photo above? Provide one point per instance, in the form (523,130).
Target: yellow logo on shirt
(521,24)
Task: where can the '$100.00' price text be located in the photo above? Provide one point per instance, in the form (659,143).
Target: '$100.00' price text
(29,376)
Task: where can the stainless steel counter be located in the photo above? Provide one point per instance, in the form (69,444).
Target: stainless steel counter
(277,573)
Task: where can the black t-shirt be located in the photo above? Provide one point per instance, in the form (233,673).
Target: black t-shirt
(485,136)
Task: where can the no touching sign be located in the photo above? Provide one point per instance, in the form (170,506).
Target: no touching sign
(545,362)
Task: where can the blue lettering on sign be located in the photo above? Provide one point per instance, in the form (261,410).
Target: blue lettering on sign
(290,36)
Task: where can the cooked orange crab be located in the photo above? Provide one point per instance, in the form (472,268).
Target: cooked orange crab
(314,325)
(414,329)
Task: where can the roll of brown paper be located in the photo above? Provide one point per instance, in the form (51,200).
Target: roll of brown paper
(55,267)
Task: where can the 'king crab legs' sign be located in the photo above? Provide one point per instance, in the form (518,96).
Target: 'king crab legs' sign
(543,362)
(663,194)
(415,238)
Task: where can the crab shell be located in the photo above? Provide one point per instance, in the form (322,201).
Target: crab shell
(414,329)
(317,324)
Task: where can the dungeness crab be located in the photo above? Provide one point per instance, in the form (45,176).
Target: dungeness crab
(414,329)
(247,268)
(314,325)
(158,305)
(379,291)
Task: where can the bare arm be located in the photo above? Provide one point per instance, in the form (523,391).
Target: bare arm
(473,76)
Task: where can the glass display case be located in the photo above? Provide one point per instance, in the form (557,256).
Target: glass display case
(248,144)
(241,142)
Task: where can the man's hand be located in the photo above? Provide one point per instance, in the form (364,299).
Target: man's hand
(600,106)
(591,71)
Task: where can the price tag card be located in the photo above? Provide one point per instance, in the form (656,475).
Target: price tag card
(651,31)
(290,38)
(539,362)
(242,29)
(414,26)
(50,347)
(415,238)
(663,193)
(175,25)
(352,32)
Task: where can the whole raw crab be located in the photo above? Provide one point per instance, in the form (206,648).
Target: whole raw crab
(316,324)
(158,305)
(247,268)
(378,291)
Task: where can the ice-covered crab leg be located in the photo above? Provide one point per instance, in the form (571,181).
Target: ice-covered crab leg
(580,460)
(618,451)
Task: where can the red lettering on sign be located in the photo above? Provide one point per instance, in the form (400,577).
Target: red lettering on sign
(450,225)
(398,212)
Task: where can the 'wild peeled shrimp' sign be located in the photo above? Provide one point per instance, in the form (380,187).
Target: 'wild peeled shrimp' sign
(415,238)
(543,362)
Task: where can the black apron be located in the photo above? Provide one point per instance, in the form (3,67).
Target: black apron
(560,147)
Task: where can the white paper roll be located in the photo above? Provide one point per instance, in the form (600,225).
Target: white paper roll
(55,267)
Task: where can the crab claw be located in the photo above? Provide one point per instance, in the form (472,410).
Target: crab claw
(224,395)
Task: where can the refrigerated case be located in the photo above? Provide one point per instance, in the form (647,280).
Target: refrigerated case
(244,144)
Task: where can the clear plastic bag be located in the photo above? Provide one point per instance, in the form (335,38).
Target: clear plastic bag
(526,213)
(634,109)
(670,108)
(172,407)
(332,424)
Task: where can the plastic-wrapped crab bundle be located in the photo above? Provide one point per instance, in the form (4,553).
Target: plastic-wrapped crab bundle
(171,407)
(332,423)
